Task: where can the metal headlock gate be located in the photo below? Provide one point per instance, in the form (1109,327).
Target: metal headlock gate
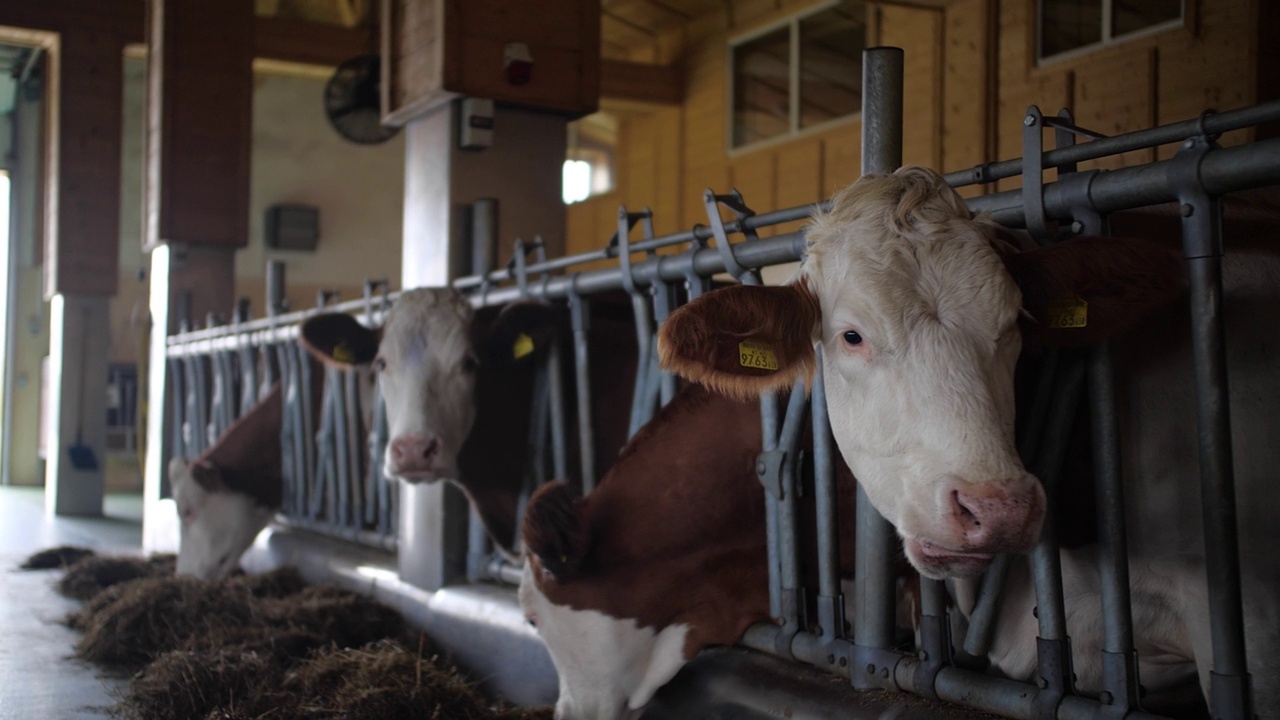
(335,488)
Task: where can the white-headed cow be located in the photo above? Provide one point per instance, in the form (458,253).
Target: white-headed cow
(922,310)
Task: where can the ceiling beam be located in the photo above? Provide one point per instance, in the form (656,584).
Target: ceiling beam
(639,82)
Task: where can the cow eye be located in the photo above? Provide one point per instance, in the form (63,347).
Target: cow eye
(380,363)
(851,337)
(469,365)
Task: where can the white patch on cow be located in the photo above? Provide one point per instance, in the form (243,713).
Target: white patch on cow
(215,528)
(609,668)
(921,392)
(426,372)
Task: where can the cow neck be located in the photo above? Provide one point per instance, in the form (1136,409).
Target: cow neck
(677,525)
(247,455)
(491,464)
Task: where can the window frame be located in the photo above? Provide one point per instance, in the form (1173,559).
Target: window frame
(1109,39)
(794,131)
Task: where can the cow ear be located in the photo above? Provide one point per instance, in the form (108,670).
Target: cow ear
(554,531)
(522,332)
(742,341)
(339,340)
(207,476)
(1087,289)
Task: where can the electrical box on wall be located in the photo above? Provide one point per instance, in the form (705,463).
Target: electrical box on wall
(292,227)
(475,127)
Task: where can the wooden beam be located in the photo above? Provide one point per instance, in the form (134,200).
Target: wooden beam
(638,82)
(307,42)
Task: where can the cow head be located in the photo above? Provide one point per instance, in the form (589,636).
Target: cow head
(617,630)
(217,524)
(922,311)
(428,355)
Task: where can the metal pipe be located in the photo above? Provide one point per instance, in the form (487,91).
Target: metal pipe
(1222,171)
(769,442)
(580,316)
(1213,124)
(275,287)
(1201,210)
(874,612)
(1120,677)
(786,539)
(828,521)
(555,392)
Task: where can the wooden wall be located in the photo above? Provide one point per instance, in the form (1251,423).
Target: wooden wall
(970,76)
(667,157)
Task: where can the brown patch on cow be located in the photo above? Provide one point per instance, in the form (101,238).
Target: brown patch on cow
(1121,280)
(339,340)
(553,529)
(703,340)
(247,457)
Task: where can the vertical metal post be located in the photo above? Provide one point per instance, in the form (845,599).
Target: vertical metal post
(769,434)
(882,71)
(580,317)
(1230,695)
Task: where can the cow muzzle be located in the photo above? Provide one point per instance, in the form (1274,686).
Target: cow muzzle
(415,459)
(979,521)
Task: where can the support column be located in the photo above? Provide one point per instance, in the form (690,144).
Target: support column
(78,349)
(196,200)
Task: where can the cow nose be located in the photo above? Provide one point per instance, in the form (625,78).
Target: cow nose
(998,517)
(413,452)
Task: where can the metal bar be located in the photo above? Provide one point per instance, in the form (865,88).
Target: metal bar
(1201,210)
(792,608)
(874,611)
(1214,124)
(1222,170)
(769,437)
(555,392)
(828,521)
(580,317)
(1120,662)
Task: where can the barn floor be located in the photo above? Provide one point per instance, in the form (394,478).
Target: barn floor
(38,678)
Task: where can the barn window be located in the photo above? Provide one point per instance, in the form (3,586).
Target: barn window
(589,159)
(1068,26)
(797,75)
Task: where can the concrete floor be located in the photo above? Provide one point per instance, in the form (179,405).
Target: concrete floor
(38,678)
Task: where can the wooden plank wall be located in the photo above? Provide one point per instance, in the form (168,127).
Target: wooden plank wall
(667,158)
(971,74)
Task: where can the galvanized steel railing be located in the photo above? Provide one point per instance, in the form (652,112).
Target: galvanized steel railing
(323,493)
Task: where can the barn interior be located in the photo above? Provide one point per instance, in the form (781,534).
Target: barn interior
(176,167)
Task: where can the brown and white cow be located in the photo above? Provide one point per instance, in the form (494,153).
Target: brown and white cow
(922,311)
(666,556)
(458,387)
(227,494)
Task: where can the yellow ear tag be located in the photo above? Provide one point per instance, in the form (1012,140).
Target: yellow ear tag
(523,346)
(1068,312)
(342,353)
(756,355)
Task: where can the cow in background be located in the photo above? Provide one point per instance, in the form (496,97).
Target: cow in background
(922,311)
(227,494)
(458,388)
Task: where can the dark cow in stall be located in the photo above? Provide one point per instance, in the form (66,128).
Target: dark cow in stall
(923,310)
(666,556)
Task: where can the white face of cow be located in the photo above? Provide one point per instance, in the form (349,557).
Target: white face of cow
(427,369)
(216,526)
(919,326)
(609,668)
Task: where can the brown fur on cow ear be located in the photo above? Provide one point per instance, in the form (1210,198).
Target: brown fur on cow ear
(522,332)
(1087,289)
(207,476)
(554,530)
(339,340)
(742,341)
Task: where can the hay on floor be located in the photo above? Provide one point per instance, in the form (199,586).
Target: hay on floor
(56,558)
(93,574)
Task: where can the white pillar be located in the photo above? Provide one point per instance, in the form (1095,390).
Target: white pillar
(160,515)
(75,471)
